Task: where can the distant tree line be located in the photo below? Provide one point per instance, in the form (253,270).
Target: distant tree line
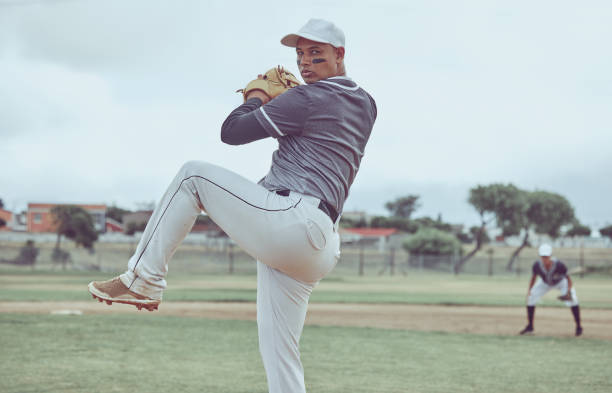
(518,212)
(514,211)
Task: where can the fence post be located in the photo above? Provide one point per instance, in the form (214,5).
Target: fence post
(408,260)
(582,260)
(361,259)
(490,251)
(406,267)
(392,260)
(230,254)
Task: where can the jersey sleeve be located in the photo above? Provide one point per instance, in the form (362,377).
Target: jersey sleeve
(534,268)
(562,269)
(374,108)
(285,114)
(241,126)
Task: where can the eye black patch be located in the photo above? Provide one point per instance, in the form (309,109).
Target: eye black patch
(317,61)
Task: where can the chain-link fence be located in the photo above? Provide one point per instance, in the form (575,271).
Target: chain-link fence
(491,261)
(221,256)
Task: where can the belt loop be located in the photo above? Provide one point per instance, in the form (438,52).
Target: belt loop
(323,205)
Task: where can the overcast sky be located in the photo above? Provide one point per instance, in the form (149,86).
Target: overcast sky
(103,101)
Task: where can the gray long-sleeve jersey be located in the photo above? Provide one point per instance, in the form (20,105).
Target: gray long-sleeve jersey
(322,130)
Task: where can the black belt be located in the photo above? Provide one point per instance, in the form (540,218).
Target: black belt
(323,206)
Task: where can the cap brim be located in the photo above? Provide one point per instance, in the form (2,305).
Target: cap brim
(292,39)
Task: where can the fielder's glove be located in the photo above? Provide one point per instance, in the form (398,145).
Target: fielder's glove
(566,297)
(274,82)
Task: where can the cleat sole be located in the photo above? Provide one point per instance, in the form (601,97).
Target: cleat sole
(149,304)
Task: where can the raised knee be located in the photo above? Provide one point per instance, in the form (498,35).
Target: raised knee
(194,168)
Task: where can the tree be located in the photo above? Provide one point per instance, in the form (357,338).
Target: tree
(403,207)
(432,241)
(484,237)
(495,202)
(546,213)
(402,224)
(27,255)
(61,257)
(134,227)
(470,236)
(464,237)
(549,212)
(428,222)
(578,230)
(606,231)
(116,213)
(353,223)
(74,223)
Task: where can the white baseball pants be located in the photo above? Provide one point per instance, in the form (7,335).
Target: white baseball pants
(294,242)
(541,288)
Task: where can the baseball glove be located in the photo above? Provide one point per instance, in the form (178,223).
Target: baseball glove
(274,82)
(566,297)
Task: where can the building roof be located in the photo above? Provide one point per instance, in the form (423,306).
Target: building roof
(113,225)
(371,232)
(50,205)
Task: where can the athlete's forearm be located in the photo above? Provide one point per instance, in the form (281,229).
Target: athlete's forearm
(533,278)
(241,126)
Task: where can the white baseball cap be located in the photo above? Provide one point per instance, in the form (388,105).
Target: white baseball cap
(318,30)
(545,250)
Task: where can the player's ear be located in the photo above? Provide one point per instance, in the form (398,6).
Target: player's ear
(339,54)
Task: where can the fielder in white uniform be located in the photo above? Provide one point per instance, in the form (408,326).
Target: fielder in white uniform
(550,273)
(289,220)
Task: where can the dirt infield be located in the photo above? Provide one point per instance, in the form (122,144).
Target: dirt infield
(453,319)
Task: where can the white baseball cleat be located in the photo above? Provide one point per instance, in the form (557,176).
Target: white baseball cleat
(114,291)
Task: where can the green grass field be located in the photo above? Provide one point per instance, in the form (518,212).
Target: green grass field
(148,353)
(417,288)
(144,352)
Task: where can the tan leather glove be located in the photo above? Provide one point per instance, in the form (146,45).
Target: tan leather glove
(274,82)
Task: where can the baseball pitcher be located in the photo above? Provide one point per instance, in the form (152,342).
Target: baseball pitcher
(288,221)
